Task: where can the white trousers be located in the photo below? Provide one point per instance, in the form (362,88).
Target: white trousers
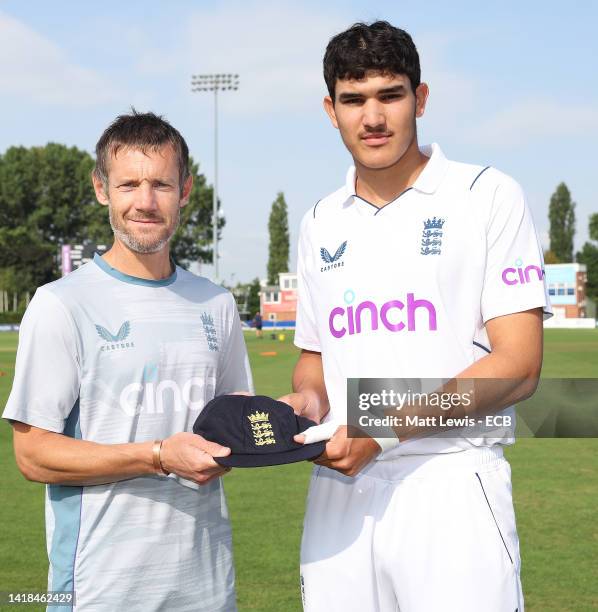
(420,533)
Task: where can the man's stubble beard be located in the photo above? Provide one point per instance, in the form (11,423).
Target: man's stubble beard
(134,243)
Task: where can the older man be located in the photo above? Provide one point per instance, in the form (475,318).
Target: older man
(115,362)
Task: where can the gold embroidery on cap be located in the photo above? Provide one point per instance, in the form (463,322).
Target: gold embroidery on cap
(261,428)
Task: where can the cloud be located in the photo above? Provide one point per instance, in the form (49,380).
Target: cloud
(35,68)
(276,48)
(536,119)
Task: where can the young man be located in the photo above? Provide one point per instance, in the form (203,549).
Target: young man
(115,362)
(257,321)
(410,271)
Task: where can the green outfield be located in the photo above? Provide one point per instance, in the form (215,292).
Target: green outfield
(554,485)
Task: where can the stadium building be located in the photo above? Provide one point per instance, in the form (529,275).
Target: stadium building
(278,304)
(567,290)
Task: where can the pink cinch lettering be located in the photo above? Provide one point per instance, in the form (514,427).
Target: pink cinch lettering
(373,312)
(352,318)
(538,271)
(337,333)
(413,305)
(521,277)
(384,315)
(506,281)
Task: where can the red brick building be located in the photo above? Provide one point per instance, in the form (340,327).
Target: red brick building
(278,305)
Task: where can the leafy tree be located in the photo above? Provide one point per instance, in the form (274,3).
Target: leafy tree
(193,241)
(48,190)
(253,302)
(278,226)
(47,199)
(589,256)
(550,258)
(561,214)
(26,261)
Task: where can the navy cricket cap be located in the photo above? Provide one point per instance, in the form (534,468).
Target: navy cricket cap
(258,430)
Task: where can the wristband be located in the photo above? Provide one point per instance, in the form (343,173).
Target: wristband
(156,448)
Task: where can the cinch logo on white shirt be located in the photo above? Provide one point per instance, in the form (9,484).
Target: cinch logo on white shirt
(521,276)
(349,320)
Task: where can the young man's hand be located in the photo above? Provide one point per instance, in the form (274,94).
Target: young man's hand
(348,455)
(191,457)
(303,405)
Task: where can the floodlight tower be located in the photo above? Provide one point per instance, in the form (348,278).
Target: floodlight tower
(215,83)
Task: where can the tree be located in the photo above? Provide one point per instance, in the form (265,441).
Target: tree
(562,224)
(550,258)
(47,199)
(49,191)
(278,226)
(253,301)
(26,261)
(193,241)
(589,256)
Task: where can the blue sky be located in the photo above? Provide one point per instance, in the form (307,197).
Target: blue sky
(513,85)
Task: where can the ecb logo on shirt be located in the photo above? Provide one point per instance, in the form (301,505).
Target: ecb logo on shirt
(115,341)
(432,236)
(333,261)
(210,330)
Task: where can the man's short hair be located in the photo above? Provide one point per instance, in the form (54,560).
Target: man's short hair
(377,47)
(142,131)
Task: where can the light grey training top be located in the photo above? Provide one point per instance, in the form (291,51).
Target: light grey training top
(112,358)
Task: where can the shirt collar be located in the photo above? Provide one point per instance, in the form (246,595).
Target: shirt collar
(431,176)
(428,180)
(134,280)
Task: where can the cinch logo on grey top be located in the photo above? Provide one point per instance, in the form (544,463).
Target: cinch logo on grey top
(432,236)
(332,260)
(115,341)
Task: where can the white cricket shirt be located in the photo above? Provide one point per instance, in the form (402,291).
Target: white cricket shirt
(404,291)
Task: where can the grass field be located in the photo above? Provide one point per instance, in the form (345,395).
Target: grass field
(555,486)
